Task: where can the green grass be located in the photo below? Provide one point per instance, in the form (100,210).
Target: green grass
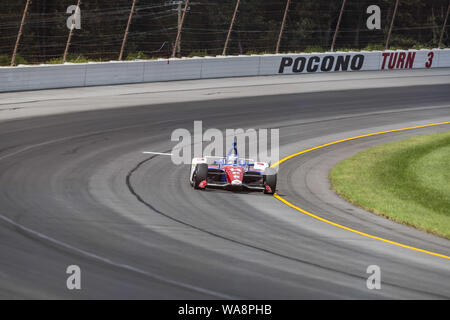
(198,53)
(5,60)
(137,55)
(72,58)
(406,181)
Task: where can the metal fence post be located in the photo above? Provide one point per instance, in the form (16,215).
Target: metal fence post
(180,27)
(337,25)
(19,34)
(392,24)
(225,47)
(443,27)
(77,10)
(283,23)
(125,36)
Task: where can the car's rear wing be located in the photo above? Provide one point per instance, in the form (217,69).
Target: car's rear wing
(221,158)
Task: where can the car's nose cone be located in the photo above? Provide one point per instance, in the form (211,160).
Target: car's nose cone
(236,182)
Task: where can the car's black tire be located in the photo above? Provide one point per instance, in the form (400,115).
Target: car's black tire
(200,174)
(270,179)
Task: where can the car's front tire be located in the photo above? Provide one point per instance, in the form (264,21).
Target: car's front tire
(200,174)
(270,180)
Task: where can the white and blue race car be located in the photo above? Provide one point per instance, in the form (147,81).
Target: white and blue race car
(232,173)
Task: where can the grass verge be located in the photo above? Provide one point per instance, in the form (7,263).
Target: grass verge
(406,181)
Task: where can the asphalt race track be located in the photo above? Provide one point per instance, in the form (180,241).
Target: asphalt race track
(75,188)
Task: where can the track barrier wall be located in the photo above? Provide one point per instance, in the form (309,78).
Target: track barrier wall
(38,77)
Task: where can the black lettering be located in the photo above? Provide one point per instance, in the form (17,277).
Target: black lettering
(327,63)
(311,67)
(300,60)
(357,62)
(342,63)
(285,62)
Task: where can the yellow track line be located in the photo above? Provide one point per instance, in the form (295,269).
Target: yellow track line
(344,227)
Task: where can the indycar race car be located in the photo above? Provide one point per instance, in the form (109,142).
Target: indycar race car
(232,173)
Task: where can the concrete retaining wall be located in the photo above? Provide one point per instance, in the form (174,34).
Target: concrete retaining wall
(109,73)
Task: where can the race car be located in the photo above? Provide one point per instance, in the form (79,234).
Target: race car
(232,173)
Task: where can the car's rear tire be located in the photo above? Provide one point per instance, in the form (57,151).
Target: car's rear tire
(270,179)
(200,174)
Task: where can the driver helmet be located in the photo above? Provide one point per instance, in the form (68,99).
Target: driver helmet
(232,159)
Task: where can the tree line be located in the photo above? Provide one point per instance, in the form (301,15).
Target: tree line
(310,26)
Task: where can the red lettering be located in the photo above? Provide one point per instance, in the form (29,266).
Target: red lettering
(410,60)
(401,60)
(430,59)
(385,55)
(392,60)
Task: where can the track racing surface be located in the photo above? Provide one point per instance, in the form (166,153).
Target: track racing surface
(75,189)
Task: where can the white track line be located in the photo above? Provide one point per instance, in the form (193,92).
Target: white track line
(158,153)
